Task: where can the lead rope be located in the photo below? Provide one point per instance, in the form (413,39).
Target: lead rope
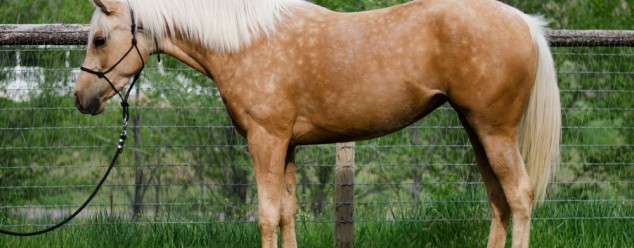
(92,195)
(122,137)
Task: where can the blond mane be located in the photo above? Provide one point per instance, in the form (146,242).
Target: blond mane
(221,25)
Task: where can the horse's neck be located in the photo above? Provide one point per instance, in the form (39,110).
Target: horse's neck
(188,54)
(215,65)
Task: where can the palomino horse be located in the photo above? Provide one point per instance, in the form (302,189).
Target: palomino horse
(286,70)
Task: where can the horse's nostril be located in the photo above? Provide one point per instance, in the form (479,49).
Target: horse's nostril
(94,106)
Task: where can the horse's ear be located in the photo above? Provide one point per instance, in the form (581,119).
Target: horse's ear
(103,6)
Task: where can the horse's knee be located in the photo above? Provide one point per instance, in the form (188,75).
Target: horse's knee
(268,226)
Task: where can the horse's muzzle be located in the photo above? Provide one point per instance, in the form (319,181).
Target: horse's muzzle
(93,107)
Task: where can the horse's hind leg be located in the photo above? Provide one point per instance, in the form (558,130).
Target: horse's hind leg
(501,146)
(499,141)
(500,213)
(506,163)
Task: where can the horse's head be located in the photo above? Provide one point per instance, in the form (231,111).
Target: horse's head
(112,57)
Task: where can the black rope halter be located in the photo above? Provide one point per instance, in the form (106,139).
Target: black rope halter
(122,138)
(102,74)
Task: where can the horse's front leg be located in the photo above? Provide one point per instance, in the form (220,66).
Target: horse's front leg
(269,159)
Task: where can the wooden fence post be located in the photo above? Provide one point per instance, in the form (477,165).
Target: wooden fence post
(344,196)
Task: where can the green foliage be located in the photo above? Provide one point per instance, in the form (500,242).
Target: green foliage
(582,14)
(597,93)
(45,11)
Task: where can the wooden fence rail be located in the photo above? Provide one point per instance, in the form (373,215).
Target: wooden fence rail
(77,34)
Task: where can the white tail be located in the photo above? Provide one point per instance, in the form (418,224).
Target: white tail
(541,124)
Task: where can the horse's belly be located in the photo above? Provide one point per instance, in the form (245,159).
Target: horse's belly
(364,117)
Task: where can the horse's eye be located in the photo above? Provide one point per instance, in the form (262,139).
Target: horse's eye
(99,41)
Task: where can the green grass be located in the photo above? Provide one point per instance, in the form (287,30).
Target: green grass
(564,233)
(556,225)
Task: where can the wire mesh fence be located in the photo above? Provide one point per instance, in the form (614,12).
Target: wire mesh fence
(185,163)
